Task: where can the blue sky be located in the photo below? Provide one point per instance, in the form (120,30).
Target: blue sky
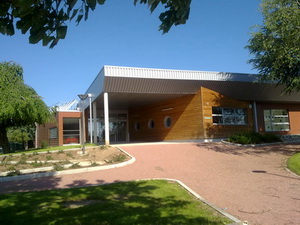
(121,34)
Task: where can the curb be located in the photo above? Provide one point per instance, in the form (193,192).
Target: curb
(45,152)
(252,145)
(72,171)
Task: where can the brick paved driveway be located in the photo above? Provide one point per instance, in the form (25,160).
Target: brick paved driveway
(249,183)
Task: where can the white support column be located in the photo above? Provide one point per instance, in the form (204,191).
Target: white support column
(106,118)
(255,117)
(91,119)
(83,127)
(95,121)
(80,131)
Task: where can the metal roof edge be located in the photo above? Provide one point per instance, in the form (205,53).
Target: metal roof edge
(153,73)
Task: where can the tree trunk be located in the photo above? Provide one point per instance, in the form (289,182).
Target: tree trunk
(4,140)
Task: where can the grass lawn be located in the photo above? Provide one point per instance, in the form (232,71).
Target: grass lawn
(141,202)
(293,163)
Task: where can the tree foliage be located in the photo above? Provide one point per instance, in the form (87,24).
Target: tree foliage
(20,105)
(276,44)
(46,20)
(22,135)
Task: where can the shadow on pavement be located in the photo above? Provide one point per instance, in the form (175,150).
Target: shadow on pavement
(284,149)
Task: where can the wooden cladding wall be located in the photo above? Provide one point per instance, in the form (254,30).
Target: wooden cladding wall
(210,99)
(293,112)
(185,113)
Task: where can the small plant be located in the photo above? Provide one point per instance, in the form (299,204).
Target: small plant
(35,153)
(103,147)
(119,158)
(49,157)
(48,152)
(60,151)
(69,154)
(64,162)
(94,164)
(75,166)
(11,168)
(36,164)
(58,167)
(22,161)
(44,144)
(14,173)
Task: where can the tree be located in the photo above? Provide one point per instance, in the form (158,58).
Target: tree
(23,134)
(276,44)
(20,105)
(46,19)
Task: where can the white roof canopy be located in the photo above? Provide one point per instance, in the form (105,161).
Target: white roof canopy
(128,86)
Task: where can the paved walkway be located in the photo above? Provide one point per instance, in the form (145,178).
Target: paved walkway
(249,183)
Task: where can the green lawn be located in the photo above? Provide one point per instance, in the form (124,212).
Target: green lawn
(142,202)
(294,163)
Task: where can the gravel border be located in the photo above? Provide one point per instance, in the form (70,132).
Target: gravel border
(38,174)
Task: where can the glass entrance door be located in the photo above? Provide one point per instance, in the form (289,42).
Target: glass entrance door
(117,128)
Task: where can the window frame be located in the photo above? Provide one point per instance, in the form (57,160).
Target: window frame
(233,116)
(273,123)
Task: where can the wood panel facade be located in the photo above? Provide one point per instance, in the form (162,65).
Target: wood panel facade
(191,118)
(211,99)
(185,113)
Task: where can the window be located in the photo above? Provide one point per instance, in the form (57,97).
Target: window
(168,122)
(137,126)
(151,124)
(53,133)
(229,116)
(70,130)
(276,120)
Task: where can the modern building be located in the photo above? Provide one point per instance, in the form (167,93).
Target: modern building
(126,104)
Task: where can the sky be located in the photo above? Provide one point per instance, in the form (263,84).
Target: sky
(121,34)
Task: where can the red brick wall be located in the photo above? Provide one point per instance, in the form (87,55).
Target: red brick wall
(293,111)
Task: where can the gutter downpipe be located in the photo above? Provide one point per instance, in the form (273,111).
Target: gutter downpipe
(255,116)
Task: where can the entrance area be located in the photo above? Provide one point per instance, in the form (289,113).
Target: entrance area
(117,128)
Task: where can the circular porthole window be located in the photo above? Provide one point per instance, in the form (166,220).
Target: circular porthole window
(151,124)
(168,122)
(137,126)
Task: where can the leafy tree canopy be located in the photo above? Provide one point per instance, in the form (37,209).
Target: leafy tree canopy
(46,20)
(276,44)
(20,105)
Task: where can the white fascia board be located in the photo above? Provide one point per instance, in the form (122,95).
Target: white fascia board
(95,89)
(149,73)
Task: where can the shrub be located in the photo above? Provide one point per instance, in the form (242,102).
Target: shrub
(253,138)
(269,138)
(245,138)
